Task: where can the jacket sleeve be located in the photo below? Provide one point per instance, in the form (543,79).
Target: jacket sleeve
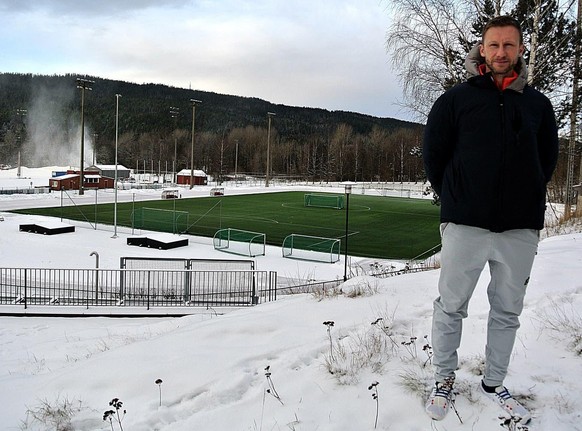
(438,143)
(548,143)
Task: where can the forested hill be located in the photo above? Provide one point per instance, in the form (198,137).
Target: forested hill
(144,112)
(145,107)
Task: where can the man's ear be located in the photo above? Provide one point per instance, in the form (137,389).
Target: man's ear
(481,50)
(521,50)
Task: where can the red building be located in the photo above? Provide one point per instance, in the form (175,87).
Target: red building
(200,178)
(70,181)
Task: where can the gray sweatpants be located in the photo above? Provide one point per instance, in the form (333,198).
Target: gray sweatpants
(465,251)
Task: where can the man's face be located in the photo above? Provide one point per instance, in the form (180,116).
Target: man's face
(501,49)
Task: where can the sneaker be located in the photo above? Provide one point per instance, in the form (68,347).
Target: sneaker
(440,399)
(503,399)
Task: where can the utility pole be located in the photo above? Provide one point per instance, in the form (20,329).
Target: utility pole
(268,170)
(117,96)
(83,84)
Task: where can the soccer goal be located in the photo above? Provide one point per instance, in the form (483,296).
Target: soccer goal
(161,220)
(323,200)
(241,242)
(306,247)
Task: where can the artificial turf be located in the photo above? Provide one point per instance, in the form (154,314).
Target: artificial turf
(378,227)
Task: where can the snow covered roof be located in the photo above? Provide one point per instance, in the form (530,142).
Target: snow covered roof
(65,177)
(197,172)
(109,167)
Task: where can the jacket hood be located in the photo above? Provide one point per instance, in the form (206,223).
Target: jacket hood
(474,60)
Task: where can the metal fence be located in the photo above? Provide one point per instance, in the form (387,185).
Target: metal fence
(135,287)
(179,263)
(24,190)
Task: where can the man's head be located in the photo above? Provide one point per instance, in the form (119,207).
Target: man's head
(502,45)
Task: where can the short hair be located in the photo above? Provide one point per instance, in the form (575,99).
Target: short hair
(503,21)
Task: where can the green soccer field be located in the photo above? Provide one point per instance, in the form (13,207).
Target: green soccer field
(379,227)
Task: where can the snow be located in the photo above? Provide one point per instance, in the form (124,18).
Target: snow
(213,362)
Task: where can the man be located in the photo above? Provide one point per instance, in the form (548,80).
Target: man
(490,147)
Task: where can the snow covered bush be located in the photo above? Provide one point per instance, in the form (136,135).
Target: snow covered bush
(565,322)
(56,415)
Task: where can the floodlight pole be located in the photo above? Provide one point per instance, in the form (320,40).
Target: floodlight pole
(83,84)
(95,136)
(117,96)
(269,115)
(174,112)
(348,190)
(194,102)
(236,164)
(21,113)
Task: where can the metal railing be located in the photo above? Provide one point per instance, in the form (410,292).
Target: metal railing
(135,287)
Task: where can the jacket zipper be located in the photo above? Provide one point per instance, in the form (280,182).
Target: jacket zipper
(497,214)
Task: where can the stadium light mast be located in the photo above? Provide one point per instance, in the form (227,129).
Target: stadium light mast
(21,113)
(117,96)
(236,163)
(267,175)
(83,84)
(174,112)
(194,102)
(348,190)
(95,136)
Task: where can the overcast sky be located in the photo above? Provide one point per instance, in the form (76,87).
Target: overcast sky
(318,53)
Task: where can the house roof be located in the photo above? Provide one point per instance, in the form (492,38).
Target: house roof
(108,167)
(197,172)
(65,177)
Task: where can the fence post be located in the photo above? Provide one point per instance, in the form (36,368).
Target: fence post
(273,285)
(25,288)
(94,253)
(254,296)
(188,281)
(149,277)
(122,273)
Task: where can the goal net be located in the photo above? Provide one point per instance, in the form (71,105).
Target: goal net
(306,247)
(242,242)
(160,220)
(323,200)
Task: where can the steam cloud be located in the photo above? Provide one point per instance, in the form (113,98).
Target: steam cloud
(54,131)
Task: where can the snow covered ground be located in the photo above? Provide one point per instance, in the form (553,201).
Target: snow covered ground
(224,371)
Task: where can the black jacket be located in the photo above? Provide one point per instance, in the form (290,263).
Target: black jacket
(489,154)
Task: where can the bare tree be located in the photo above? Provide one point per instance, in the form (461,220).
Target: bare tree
(341,138)
(429,39)
(425,42)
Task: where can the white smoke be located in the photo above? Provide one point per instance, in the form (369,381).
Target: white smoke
(54,131)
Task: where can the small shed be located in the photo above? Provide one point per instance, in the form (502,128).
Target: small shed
(98,182)
(200,177)
(109,171)
(65,182)
(70,181)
